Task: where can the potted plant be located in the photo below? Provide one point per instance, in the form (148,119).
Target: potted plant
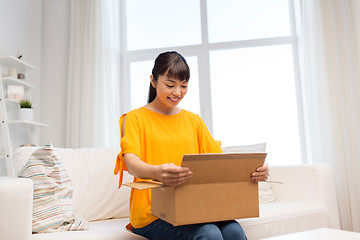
(26,112)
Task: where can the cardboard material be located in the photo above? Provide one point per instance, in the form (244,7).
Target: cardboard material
(220,189)
(144,184)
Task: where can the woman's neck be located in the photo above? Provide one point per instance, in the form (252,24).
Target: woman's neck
(156,106)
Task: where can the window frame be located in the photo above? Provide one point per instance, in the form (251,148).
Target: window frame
(202,52)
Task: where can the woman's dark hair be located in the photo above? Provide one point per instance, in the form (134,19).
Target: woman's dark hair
(173,65)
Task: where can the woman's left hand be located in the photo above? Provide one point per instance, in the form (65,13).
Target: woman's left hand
(261,173)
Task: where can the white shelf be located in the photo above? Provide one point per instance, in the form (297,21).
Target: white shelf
(12,62)
(12,101)
(14,81)
(9,107)
(28,123)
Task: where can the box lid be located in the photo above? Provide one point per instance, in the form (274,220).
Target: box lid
(221,167)
(214,168)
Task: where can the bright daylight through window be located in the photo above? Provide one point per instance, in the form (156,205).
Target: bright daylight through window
(242,57)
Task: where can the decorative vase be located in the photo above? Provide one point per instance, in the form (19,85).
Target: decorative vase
(26,114)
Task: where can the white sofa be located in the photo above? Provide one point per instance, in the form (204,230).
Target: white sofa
(306,200)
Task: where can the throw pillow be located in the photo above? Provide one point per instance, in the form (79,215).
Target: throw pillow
(253,148)
(52,209)
(265,191)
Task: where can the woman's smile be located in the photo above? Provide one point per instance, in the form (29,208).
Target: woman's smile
(174,99)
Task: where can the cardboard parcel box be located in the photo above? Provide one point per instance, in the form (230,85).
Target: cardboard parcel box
(220,189)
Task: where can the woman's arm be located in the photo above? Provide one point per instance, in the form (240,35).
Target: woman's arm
(168,173)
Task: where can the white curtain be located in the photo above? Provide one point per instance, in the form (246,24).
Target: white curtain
(93,101)
(329,56)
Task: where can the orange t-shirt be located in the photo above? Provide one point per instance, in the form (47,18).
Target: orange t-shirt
(157,139)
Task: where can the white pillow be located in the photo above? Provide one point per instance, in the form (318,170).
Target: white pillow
(22,156)
(265,191)
(260,147)
(96,192)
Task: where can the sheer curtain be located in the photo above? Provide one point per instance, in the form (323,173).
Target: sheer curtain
(93,101)
(329,58)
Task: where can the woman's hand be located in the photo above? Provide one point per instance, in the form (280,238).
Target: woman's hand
(261,173)
(168,173)
(172,175)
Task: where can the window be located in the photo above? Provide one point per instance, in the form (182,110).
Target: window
(162,23)
(234,20)
(243,66)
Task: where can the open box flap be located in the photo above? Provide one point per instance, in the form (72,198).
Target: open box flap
(144,184)
(222,168)
(214,168)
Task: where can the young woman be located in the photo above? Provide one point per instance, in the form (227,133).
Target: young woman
(153,140)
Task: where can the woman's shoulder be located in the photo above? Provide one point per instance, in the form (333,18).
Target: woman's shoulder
(135,112)
(193,116)
(187,112)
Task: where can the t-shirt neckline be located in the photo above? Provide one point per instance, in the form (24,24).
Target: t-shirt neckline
(166,115)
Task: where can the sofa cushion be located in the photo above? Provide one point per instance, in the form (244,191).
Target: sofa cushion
(280,218)
(96,193)
(275,219)
(52,204)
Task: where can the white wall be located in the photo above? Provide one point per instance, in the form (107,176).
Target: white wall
(20,27)
(55,55)
(355,4)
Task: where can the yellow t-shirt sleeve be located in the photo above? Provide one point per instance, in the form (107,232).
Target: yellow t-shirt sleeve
(131,138)
(207,144)
(130,143)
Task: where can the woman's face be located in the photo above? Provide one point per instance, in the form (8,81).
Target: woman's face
(169,92)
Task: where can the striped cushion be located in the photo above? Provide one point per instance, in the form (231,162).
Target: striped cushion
(53,209)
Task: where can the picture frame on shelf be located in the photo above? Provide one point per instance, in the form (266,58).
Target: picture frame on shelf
(15,92)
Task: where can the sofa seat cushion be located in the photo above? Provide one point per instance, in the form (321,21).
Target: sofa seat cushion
(112,229)
(276,218)
(279,218)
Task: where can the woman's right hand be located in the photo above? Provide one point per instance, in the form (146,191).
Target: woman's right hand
(171,175)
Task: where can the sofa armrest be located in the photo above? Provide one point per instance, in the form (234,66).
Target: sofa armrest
(16,202)
(307,183)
